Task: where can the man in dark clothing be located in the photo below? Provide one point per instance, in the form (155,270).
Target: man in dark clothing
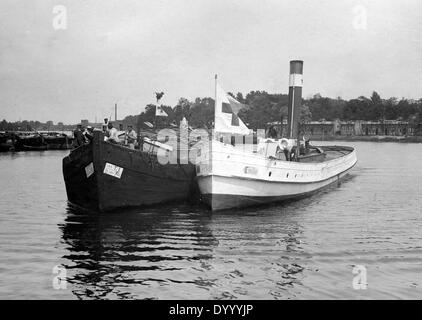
(272,133)
(89,134)
(78,136)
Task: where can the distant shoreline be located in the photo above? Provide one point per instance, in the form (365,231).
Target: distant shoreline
(401,139)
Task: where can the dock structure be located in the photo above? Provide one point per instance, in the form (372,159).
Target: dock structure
(352,128)
(35,140)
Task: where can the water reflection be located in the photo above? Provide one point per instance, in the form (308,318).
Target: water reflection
(260,253)
(109,253)
(189,252)
(183,252)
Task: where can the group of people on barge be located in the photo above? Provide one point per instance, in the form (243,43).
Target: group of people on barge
(84,135)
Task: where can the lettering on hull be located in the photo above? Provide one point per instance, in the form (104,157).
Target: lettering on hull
(113,170)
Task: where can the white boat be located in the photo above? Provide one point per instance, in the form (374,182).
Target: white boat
(237,176)
(230,177)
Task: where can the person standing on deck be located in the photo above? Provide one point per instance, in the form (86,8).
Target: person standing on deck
(131,137)
(105,125)
(113,134)
(79,138)
(272,133)
(121,133)
(89,134)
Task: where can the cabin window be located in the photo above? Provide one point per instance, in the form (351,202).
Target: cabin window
(287,175)
(269,174)
(250,170)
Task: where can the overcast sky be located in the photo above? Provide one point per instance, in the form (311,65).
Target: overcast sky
(122,51)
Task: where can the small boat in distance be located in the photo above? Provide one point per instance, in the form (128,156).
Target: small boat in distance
(34,141)
(56,140)
(6,141)
(234,176)
(29,141)
(103,176)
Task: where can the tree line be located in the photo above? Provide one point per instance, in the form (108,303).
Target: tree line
(30,125)
(260,108)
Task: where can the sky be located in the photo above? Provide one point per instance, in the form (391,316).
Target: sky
(77,60)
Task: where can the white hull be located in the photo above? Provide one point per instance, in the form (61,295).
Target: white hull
(228,177)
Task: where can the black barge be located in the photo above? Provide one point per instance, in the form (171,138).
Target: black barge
(103,176)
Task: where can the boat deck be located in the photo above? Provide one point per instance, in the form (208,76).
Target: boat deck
(324,153)
(334,152)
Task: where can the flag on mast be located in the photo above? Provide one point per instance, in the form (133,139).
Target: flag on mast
(159,112)
(226,109)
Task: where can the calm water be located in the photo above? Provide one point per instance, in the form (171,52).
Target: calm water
(300,250)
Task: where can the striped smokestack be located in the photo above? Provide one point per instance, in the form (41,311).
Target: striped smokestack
(295,97)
